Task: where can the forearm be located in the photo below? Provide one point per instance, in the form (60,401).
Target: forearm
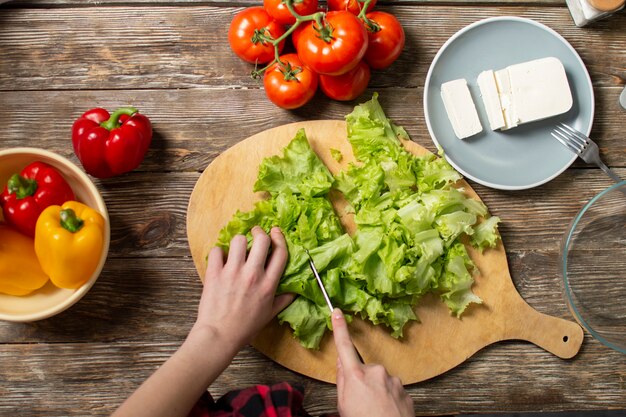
(176,386)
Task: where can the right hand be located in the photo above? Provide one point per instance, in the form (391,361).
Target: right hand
(365,390)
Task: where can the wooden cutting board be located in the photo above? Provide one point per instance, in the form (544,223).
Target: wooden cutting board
(437,344)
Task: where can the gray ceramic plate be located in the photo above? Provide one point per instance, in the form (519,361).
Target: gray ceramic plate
(523,157)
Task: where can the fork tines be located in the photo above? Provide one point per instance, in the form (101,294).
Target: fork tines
(570,137)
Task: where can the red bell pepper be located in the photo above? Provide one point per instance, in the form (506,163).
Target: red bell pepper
(111,144)
(28,193)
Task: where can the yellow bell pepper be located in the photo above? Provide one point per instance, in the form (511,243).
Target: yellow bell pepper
(20,272)
(68,243)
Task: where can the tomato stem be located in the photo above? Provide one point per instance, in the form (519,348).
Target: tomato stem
(256,73)
(289,72)
(317,17)
(261,35)
(324,31)
(370,25)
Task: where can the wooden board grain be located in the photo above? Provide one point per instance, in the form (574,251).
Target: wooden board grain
(438,343)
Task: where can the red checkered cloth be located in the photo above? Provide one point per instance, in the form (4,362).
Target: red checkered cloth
(280,400)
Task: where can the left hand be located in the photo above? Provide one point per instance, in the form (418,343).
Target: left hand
(239,299)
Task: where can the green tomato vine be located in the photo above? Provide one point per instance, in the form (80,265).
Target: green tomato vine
(321,26)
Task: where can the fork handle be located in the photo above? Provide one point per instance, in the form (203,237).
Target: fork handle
(608,171)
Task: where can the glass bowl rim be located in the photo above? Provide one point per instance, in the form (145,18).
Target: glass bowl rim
(565,251)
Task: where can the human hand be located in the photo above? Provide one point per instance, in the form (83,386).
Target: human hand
(365,390)
(238,296)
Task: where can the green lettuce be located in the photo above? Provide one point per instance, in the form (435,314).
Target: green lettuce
(456,280)
(298,184)
(308,321)
(298,171)
(409,216)
(371,133)
(336,154)
(486,233)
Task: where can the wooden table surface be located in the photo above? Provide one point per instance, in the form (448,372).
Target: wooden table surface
(59,58)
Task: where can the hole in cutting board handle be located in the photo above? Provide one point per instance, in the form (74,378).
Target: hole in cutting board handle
(565,339)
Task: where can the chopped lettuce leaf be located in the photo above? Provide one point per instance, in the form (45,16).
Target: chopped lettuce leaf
(452,225)
(486,233)
(360,183)
(371,133)
(409,216)
(298,171)
(308,321)
(456,281)
(336,154)
(435,173)
(399,314)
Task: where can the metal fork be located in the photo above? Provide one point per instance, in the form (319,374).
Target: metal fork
(582,146)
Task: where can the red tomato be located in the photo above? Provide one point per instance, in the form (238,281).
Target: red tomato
(346,86)
(386,44)
(279,11)
(335,48)
(353,6)
(245,27)
(291,88)
(295,35)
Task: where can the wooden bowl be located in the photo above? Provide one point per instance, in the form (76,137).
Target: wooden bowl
(50,300)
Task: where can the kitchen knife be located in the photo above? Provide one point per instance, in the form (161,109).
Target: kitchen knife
(326,297)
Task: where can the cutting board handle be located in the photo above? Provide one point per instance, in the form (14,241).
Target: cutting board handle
(560,337)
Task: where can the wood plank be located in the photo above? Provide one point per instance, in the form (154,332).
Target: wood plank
(100,3)
(174,47)
(508,376)
(194,126)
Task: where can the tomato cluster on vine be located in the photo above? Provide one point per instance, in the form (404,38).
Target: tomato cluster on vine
(335,49)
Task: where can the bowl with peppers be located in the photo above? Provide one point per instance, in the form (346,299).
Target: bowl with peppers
(54,234)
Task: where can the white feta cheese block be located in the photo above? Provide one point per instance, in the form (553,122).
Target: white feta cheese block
(460,108)
(529,91)
(539,89)
(491,99)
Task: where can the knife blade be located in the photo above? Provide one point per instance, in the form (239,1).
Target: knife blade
(325,294)
(319,282)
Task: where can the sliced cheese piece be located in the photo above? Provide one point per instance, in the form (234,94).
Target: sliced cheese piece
(539,89)
(460,108)
(505,93)
(491,99)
